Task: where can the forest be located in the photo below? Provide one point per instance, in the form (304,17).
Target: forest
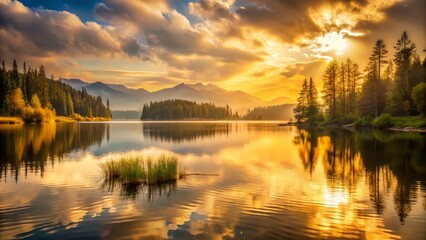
(275,112)
(33,97)
(389,88)
(182,109)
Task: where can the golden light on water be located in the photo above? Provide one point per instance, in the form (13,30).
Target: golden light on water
(318,179)
(336,197)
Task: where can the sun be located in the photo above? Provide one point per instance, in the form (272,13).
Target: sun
(332,42)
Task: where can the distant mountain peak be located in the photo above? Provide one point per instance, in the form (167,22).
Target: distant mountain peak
(74,82)
(100,85)
(122,88)
(182,86)
(206,87)
(124,98)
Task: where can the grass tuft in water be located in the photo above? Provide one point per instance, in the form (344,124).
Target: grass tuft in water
(137,170)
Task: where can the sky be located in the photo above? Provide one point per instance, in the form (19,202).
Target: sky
(265,48)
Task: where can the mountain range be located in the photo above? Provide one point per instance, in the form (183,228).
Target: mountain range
(124,98)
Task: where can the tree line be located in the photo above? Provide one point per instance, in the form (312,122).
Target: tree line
(390,85)
(275,112)
(34,97)
(177,109)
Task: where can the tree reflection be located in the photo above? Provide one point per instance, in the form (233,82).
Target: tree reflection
(308,148)
(181,132)
(391,162)
(30,148)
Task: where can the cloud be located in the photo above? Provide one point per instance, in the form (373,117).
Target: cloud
(46,33)
(134,79)
(306,69)
(294,20)
(251,45)
(212,9)
(173,40)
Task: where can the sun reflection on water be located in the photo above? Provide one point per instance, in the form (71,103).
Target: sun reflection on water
(271,184)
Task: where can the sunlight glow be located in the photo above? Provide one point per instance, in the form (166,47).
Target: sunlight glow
(278,53)
(335,198)
(331,42)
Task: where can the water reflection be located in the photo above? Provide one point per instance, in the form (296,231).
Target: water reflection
(274,183)
(184,131)
(180,132)
(391,162)
(138,191)
(30,148)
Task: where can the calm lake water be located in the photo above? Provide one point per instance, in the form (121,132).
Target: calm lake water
(273,183)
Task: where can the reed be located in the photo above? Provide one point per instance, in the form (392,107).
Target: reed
(139,170)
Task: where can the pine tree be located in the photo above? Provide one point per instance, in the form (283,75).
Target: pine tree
(380,56)
(14,76)
(23,85)
(313,108)
(343,89)
(5,91)
(352,77)
(355,76)
(399,97)
(415,77)
(377,60)
(2,87)
(302,103)
(70,105)
(330,88)
(44,88)
(373,95)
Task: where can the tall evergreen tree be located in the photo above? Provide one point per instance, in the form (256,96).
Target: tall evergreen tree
(373,96)
(353,75)
(6,89)
(300,111)
(343,79)
(313,108)
(14,76)
(379,55)
(330,88)
(23,85)
(399,100)
(307,104)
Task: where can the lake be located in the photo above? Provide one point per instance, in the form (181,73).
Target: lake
(272,183)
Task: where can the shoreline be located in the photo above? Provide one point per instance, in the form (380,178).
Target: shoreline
(11,121)
(351,127)
(63,119)
(407,129)
(391,123)
(58,119)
